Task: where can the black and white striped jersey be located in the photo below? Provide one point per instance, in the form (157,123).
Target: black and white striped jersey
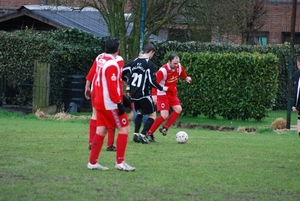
(141,75)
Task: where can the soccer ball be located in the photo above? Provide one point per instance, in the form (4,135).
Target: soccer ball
(182,137)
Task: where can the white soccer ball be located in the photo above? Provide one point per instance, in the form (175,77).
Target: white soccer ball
(182,137)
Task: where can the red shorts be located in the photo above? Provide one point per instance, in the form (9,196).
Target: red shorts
(111,119)
(165,102)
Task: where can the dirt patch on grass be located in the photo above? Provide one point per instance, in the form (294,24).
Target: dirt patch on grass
(212,127)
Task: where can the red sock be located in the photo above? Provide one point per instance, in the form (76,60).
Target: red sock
(110,137)
(171,120)
(121,147)
(156,124)
(96,148)
(92,130)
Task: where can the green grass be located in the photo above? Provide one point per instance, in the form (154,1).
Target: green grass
(45,159)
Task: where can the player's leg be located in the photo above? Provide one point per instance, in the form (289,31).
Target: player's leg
(141,136)
(110,140)
(162,106)
(148,125)
(92,127)
(177,109)
(298,123)
(137,122)
(148,107)
(173,117)
(97,144)
(164,114)
(121,142)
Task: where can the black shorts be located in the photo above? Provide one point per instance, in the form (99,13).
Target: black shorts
(145,105)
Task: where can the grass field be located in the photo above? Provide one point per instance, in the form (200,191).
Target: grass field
(45,159)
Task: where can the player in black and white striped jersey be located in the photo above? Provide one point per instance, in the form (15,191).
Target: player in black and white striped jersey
(295,106)
(141,76)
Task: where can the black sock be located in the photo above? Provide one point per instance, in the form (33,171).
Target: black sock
(147,125)
(138,123)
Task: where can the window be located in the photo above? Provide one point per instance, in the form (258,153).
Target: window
(259,38)
(286,37)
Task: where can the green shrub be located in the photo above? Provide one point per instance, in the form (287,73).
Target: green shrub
(233,86)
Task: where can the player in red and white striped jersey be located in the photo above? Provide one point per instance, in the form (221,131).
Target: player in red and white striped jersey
(168,76)
(92,124)
(107,96)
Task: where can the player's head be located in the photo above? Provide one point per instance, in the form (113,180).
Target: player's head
(149,49)
(112,46)
(173,60)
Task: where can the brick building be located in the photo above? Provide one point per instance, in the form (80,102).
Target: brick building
(277,26)
(276,29)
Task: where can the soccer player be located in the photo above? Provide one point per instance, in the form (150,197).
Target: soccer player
(141,74)
(297,94)
(107,95)
(168,76)
(93,120)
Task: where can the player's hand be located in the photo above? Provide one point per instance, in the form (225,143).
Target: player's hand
(294,109)
(87,94)
(165,88)
(188,80)
(126,102)
(121,108)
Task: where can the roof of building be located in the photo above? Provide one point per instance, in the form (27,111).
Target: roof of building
(45,17)
(87,19)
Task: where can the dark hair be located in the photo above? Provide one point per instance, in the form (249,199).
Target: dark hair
(298,58)
(112,45)
(172,56)
(148,48)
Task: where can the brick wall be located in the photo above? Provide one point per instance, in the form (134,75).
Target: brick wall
(278,20)
(18,3)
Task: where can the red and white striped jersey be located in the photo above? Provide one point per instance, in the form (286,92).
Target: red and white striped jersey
(168,77)
(106,84)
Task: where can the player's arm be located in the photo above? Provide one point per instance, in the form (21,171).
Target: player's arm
(126,72)
(89,78)
(113,82)
(87,91)
(184,75)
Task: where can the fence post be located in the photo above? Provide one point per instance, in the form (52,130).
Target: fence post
(41,85)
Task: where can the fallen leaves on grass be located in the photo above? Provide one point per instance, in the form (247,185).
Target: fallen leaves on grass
(60,116)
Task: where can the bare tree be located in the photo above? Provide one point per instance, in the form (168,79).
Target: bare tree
(239,17)
(197,16)
(158,13)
